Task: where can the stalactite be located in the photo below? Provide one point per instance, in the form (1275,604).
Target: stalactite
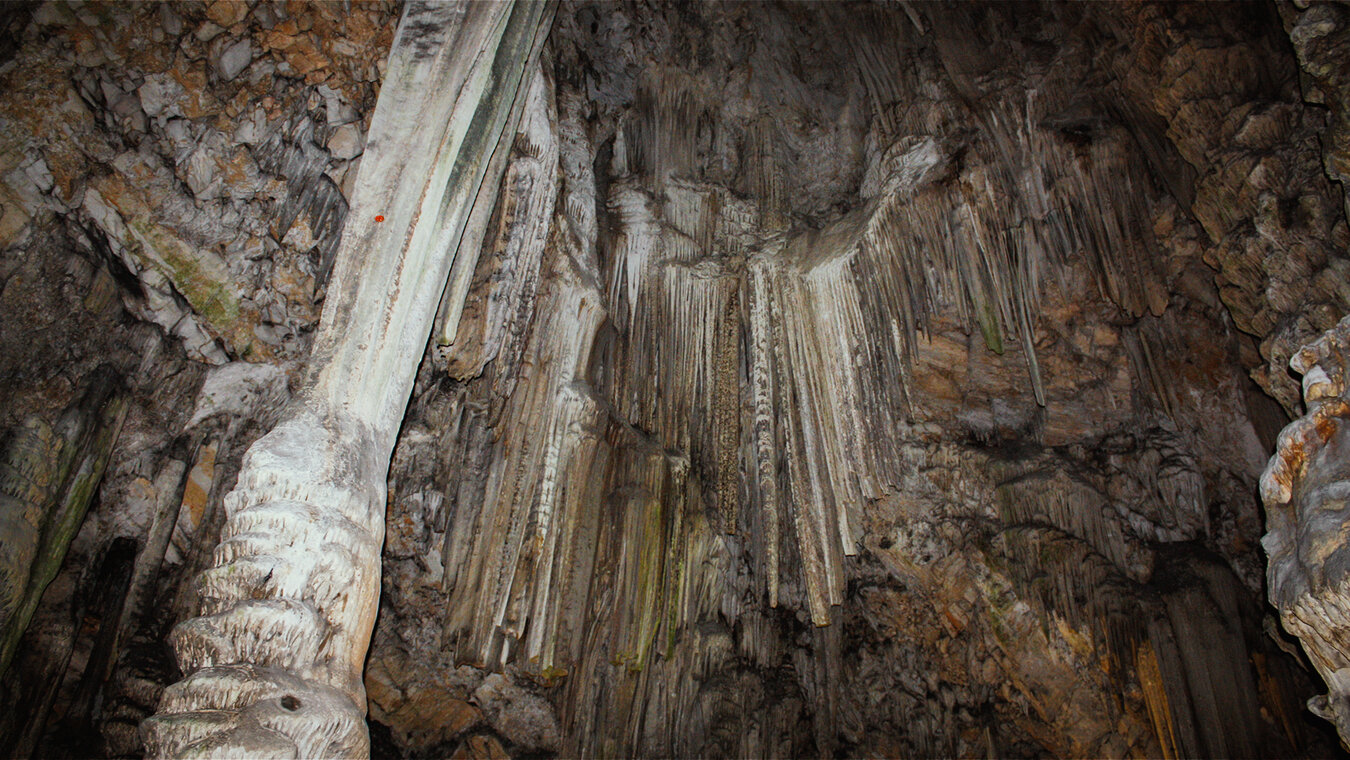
(727,413)
(1155,696)
(892,264)
(507,275)
(661,141)
(765,484)
(691,429)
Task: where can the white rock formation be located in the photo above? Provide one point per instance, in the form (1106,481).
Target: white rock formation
(1306,488)
(274,663)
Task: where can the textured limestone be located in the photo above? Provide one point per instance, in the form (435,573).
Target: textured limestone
(857,393)
(64,319)
(1254,181)
(273,665)
(50,476)
(126,120)
(1303,489)
(177,231)
(956,379)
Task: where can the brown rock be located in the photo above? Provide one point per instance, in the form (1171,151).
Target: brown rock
(481,747)
(305,56)
(227,13)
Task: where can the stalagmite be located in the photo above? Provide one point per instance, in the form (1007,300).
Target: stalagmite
(273,666)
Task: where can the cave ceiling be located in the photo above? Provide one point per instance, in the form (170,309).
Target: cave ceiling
(730,379)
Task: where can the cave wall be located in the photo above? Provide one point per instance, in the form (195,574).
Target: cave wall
(832,379)
(885,249)
(173,193)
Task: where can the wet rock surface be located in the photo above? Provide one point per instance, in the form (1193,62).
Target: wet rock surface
(931,465)
(832,379)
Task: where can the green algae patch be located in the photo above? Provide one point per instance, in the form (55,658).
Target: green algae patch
(990,328)
(90,434)
(202,279)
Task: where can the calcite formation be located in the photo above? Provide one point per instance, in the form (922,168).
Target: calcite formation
(273,664)
(648,379)
(788,449)
(1304,491)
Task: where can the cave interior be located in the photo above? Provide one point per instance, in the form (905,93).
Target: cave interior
(674,379)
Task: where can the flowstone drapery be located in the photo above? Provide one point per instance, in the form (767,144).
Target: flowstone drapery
(1305,490)
(274,661)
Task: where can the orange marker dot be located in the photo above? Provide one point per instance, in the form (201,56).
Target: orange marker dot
(379,217)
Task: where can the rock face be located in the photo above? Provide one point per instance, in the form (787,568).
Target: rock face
(1304,491)
(722,379)
(939,372)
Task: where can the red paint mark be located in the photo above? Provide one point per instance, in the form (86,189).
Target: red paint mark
(379,217)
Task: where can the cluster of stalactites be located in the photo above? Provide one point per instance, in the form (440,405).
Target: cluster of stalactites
(824,315)
(986,238)
(982,198)
(755,356)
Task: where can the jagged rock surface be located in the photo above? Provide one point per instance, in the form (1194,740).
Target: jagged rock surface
(219,194)
(1304,491)
(818,379)
(1248,169)
(865,398)
(203,208)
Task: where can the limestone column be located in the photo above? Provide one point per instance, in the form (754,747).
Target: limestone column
(273,665)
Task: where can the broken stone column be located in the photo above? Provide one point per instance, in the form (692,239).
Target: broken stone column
(1306,489)
(273,664)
